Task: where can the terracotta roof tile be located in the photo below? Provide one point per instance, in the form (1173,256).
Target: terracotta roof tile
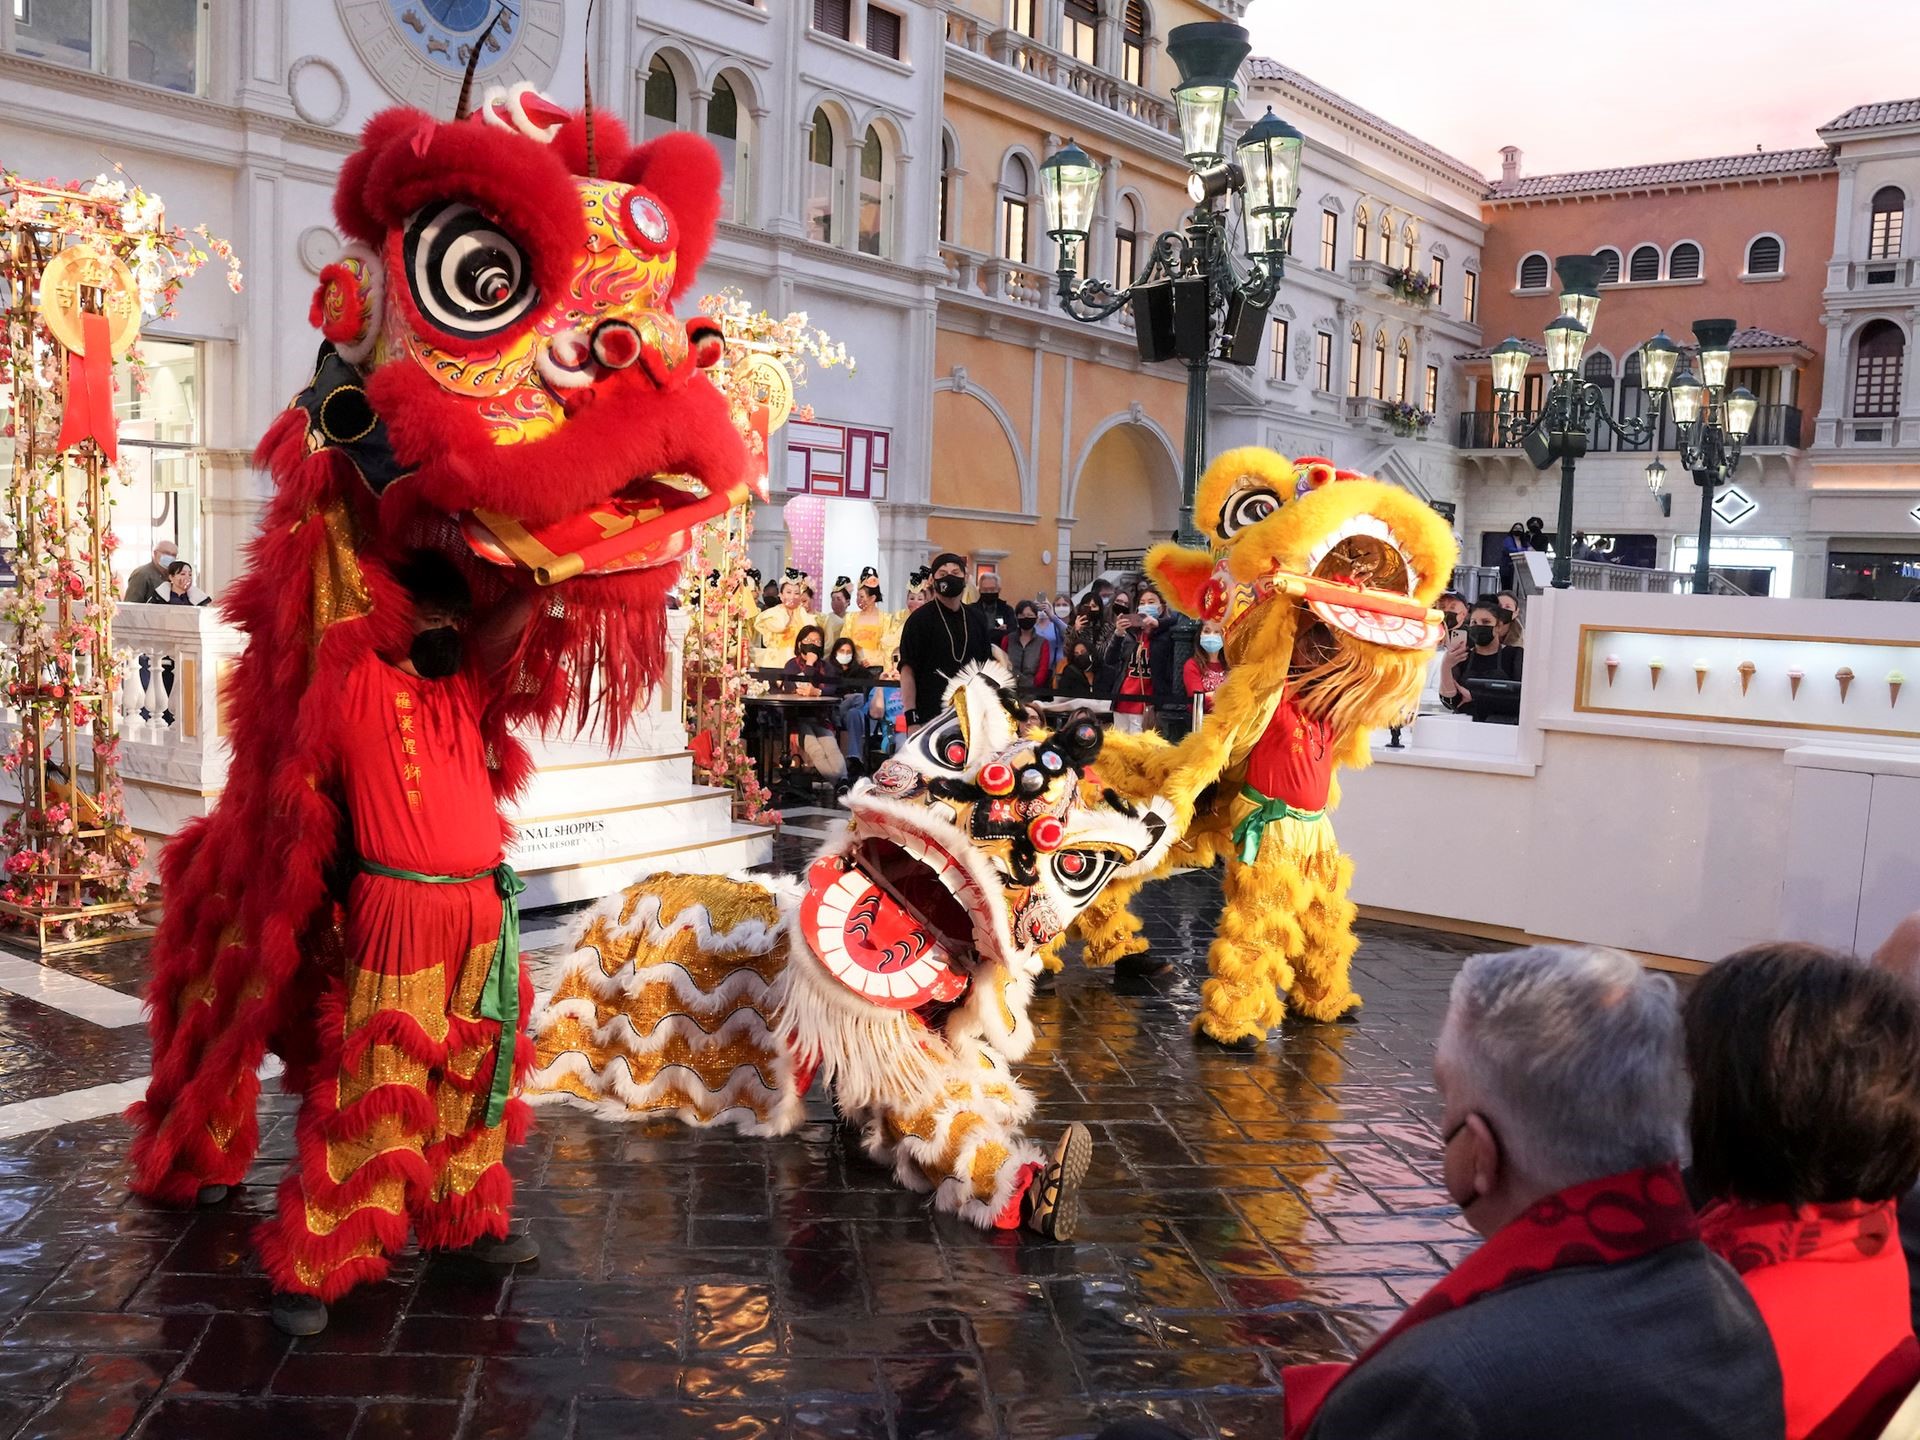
(1265,69)
(1880,112)
(1673,172)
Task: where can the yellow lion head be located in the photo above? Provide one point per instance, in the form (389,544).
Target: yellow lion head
(1321,578)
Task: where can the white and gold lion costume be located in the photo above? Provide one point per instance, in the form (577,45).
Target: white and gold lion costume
(897,973)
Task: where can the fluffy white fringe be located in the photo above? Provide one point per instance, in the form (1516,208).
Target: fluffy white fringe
(623,1098)
(629,983)
(869,1054)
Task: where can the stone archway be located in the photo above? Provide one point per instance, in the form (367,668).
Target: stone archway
(1126,489)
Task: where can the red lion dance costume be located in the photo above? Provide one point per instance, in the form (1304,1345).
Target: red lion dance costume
(503,383)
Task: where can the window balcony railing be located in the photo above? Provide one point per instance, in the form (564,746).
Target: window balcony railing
(1025,287)
(1898,272)
(1775,427)
(1028,56)
(1371,276)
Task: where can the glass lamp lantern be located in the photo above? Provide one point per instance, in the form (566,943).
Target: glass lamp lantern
(1509,362)
(1069,188)
(1716,353)
(1688,397)
(1741,407)
(1566,340)
(1580,286)
(1656,475)
(1659,358)
(1208,55)
(1269,156)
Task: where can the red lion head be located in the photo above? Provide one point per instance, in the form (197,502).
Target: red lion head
(505,369)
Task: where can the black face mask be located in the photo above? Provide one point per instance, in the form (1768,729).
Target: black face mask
(812,652)
(948,586)
(1480,634)
(1025,622)
(1453,621)
(436,653)
(1082,661)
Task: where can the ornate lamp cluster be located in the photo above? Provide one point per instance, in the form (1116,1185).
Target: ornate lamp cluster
(1197,299)
(1710,422)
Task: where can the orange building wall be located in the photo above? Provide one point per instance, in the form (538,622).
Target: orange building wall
(1721,221)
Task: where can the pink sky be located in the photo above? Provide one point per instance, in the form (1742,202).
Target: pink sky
(1474,76)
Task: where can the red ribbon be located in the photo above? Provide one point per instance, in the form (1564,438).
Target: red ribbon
(88,411)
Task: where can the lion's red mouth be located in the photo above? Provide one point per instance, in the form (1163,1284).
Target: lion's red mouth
(646,523)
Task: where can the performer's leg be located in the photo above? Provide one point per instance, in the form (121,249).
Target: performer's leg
(363,1115)
(470,1191)
(1110,929)
(1248,959)
(1322,986)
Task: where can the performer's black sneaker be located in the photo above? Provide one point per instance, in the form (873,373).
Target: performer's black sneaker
(211,1195)
(1053,1201)
(1142,966)
(514,1250)
(298,1314)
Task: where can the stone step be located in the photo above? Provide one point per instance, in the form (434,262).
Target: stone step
(737,847)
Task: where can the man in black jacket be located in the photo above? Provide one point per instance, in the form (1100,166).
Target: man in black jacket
(938,640)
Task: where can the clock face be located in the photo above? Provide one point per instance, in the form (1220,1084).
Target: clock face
(418,49)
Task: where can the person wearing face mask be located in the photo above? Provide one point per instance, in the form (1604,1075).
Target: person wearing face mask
(1511,635)
(1139,660)
(1454,608)
(806,674)
(850,680)
(430,898)
(1029,656)
(1049,628)
(938,640)
(1076,680)
(998,614)
(1485,659)
(1513,546)
(1206,669)
(150,580)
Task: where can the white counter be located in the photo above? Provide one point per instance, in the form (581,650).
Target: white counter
(1662,830)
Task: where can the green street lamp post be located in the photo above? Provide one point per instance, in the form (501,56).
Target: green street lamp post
(1196,300)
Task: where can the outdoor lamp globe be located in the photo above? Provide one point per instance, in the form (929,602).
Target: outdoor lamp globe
(1069,186)
(1208,55)
(1687,396)
(1509,361)
(1269,155)
(1716,354)
(1656,475)
(1566,341)
(1741,408)
(1580,286)
(1659,358)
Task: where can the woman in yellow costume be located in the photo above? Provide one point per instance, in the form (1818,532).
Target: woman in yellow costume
(875,632)
(778,626)
(1323,581)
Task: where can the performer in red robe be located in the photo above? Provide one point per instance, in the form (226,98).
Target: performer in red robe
(407,1107)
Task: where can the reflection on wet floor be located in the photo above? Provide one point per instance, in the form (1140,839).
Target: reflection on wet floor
(1243,1212)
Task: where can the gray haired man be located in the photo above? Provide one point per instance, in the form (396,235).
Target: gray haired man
(1592,1310)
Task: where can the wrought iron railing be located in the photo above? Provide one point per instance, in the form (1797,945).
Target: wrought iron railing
(1774,427)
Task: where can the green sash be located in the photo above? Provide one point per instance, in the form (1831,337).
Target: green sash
(500,995)
(1248,834)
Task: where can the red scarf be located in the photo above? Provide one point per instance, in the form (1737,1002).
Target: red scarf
(1804,1266)
(1602,1222)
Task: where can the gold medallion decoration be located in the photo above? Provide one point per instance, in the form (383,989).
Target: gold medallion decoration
(771,385)
(76,270)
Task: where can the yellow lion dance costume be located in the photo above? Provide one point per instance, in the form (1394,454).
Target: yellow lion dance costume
(1324,582)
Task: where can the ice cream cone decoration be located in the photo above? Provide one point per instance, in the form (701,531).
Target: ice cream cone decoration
(1794,677)
(1654,667)
(1613,664)
(1747,667)
(1845,676)
(1894,681)
(1700,668)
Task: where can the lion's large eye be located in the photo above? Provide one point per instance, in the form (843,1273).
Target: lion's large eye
(1246,507)
(466,275)
(943,743)
(1081,873)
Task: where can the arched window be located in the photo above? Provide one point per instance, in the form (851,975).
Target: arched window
(1534,272)
(1133,44)
(1080,24)
(1016,186)
(1645,264)
(876,196)
(1408,239)
(1889,211)
(660,110)
(1380,364)
(1402,369)
(727,130)
(1764,255)
(1609,265)
(1684,261)
(1386,237)
(1360,233)
(1878,356)
(1126,242)
(947,182)
(822,163)
(1598,372)
(1356,359)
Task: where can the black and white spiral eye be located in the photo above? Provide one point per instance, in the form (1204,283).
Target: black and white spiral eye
(1246,507)
(467,276)
(1081,873)
(944,743)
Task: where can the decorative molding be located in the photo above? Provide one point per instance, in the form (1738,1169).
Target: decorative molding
(303,105)
(1134,414)
(318,246)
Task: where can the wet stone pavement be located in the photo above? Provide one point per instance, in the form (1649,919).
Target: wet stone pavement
(1243,1212)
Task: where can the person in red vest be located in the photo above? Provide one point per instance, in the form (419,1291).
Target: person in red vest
(1806,1134)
